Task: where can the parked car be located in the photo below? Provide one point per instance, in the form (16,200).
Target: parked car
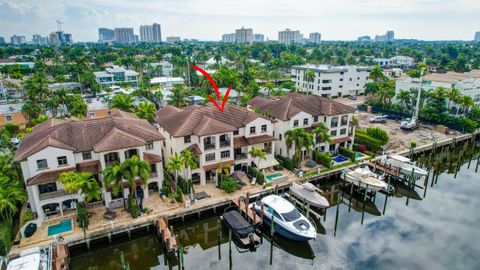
(394,117)
(378,119)
(352,97)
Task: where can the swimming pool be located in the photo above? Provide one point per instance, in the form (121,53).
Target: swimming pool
(339,159)
(358,155)
(63,226)
(272,176)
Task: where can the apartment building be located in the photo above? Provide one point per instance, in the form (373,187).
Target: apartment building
(87,145)
(244,35)
(229,38)
(216,138)
(315,37)
(105,35)
(150,33)
(124,35)
(163,68)
(296,110)
(331,81)
(18,40)
(258,37)
(116,74)
(290,37)
(173,39)
(399,61)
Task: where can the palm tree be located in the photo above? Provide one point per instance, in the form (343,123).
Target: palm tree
(454,94)
(300,138)
(190,163)
(179,97)
(321,134)
(377,74)
(269,86)
(12,194)
(404,97)
(175,165)
(257,155)
(310,78)
(113,178)
(133,169)
(84,183)
(466,102)
(123,102)
(146,110)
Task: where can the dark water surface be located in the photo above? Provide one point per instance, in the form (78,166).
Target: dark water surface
(440,231)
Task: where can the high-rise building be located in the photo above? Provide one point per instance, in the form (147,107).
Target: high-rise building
(244,35)
(39,40)
(228,38)
(150,33)
(105,35)
(388,37)
(315,37)
(258,37)
(290,37)
(2,40)
(60,38)
(18,40)
(173,39)
(477,36)
(364,39)
(124,35)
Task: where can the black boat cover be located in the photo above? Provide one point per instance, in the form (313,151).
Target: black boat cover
(240,226)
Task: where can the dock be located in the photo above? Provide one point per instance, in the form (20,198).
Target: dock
(250,214)
(167,235)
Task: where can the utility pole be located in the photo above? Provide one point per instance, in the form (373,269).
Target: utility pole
(417,106)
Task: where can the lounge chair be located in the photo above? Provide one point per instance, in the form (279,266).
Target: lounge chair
(110,214)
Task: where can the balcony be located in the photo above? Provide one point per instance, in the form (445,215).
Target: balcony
(209,146)
(153,174)
(111,163)
(240,156)
(51,195)
(225,143)
(267,150)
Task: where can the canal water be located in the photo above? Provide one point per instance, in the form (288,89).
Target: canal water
(438,231)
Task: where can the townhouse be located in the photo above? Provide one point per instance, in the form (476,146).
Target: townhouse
(296,110)
(216,138)
(331,81)
(87,145)
(116,74)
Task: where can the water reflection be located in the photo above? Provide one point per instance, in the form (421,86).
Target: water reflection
(439,231)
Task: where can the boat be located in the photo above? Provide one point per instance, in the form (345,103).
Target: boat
(363,177)
(288,221)
(406,165)
(403,190)
(356,202)
(32,259)
(409,124)
(243,232)
(309,193)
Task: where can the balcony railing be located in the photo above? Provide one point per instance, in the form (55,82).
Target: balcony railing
(209,146)
(111,163)
(51,195)
(224,143)
(153,174)
(267,150)
(240,156)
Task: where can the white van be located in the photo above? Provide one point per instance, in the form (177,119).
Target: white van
(378,119)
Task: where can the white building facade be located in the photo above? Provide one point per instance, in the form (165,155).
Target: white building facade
(290,37)
(116,74)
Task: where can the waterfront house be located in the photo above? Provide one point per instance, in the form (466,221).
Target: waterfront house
(115,74)
(296,110)
(216,138)
(87,145)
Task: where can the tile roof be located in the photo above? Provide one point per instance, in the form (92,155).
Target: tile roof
(195,149)
(284,108)
(92,167)
(260,139)
(151,158)
(48,177)
(203,120)
(120,130)
(214,166)
(341,140)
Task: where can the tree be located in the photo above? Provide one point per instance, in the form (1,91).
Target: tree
(310,78)
(31,111)
(300,139)
(404,97)
(466,102)
(454,94)
(377,74)
(123,102)
(76,106)
(12,195)
(175,165)
(321,134)
(179,98)
(113,179)
(189,163)
(269,86)
(146,111)
(83,183)
(257,155)
(133,169)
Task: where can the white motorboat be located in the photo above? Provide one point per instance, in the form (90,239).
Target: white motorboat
(31,259)
(288,221)
(407,166)
(364,178)
(310,194)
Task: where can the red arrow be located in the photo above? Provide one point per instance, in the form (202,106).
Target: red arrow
(217,93)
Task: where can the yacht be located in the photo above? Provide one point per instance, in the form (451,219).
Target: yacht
(243,232)
(362,177)
(288,221)
(310,194)
(407,166)
(31,259)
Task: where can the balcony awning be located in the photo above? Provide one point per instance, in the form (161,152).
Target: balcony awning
(92,167)
(214,166)
(266,163)
(341,140)
(151,158)
(48,177)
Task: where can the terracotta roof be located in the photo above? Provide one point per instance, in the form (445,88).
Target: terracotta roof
(215,165)
(151,158)
(286,107)
(120,130)
(48,177)
(239,142)
(195,149)
(260,139)
(92,167)
(206,120)
(341,140)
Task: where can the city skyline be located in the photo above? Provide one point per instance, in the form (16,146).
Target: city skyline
(439,19)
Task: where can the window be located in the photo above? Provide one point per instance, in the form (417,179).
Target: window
(341,79)
(62,161)
(295,123)
(333,133)
(235,132)
(350,79)
(344,120)
(42,164)
(109,112)
(187,139)
(334,122)
(111,157)
(210,157)
(358,84)
(358,78)
(264,128)
(252,130)
(91,115)
(149,146)
(164,144)
(46,188)
(341,73)
(326,81)
(341,86)
(86,155)
(315,119)
(225,154)
(343,131)
(130,153)
(305,121)
(327,88)
(8,117)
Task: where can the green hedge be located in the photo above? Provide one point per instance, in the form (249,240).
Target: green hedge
(372,144)
(323,158)
(347,153)
(285,162)
(253,172)
(6,234)
(228,184)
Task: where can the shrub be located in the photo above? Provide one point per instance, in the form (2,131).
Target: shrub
(6,234)
(347,153)
(260,178)
(228,185)
(82,215)
(295,161)
(289,164)
(12,128)
(378,134)
(278,167)
(182,184)
(166,187)
(27,216)
(323,158)
(179,195)
(370,143)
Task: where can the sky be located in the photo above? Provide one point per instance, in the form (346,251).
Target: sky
(208,20)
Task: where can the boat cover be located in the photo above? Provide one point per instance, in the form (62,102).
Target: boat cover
(238,224)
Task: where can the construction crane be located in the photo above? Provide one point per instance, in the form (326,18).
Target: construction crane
(59,25)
